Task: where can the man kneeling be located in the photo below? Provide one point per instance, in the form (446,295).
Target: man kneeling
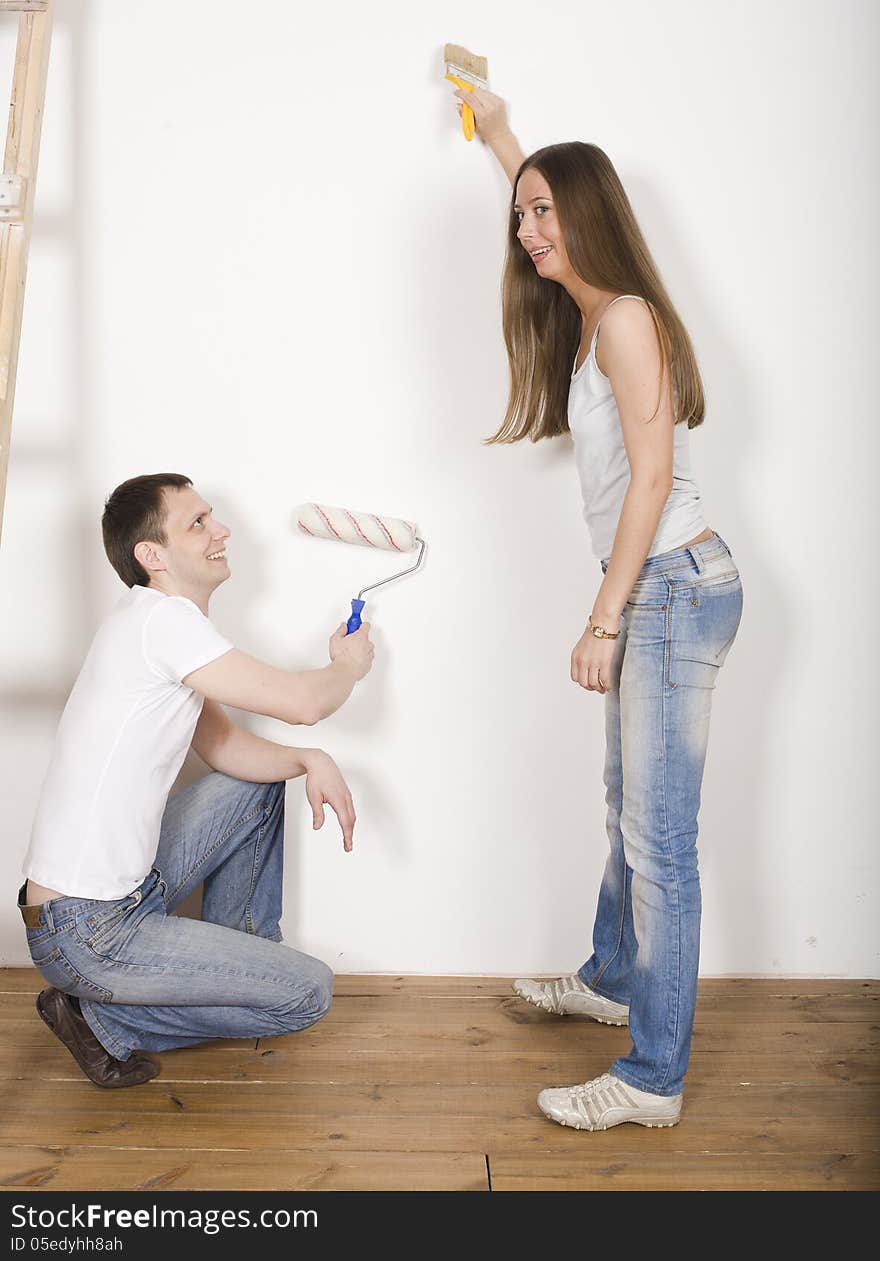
(112,854)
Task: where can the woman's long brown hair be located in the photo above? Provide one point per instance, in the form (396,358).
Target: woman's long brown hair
(542,323)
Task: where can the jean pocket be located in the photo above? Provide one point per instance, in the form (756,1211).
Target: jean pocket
(649,593)
(106,931)
(703,633)
(60,972)
(41,943)
(105,919)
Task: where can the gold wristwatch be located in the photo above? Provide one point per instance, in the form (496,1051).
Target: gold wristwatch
(600,632)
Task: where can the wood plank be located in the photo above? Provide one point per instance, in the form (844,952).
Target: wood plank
(5,242)
(509,1024)
(122,1169)
(784,987)
(414,1010)
(233,1062)
(21,157)
(28,980)
(587,1041)
(79,1100)
(23,6)
(706,1171)
(327,1117)
(447,1134)
(14,260)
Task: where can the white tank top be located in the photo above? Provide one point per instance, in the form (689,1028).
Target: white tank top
(603,466)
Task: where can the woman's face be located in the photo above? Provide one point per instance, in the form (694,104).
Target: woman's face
(539,232)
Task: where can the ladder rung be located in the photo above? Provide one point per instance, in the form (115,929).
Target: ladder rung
(23,6)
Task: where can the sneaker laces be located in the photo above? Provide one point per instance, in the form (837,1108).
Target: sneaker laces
(590,1087)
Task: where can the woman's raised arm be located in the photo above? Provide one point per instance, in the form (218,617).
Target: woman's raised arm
(490,115)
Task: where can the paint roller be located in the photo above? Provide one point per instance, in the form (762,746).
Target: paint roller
(365,529)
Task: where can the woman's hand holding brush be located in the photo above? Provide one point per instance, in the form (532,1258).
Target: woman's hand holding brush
(490,112)
(490,116)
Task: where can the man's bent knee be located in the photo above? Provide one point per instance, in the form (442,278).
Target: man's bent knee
(311,1003)
(322,989)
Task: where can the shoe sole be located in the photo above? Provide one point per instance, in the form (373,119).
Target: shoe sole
(651,1125)
(585,1015)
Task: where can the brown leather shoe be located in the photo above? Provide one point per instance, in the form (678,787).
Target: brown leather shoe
(61,1013)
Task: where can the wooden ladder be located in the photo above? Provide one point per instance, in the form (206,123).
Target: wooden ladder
(17,196)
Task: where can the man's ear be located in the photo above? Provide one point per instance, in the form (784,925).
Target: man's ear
(147,555)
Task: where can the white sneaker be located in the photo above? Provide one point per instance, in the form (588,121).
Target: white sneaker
(568,996)
(607,1101)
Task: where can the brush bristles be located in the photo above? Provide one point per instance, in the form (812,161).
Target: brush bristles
(469,62)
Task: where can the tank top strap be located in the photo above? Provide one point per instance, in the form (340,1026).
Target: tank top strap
(619,298)
(595,331)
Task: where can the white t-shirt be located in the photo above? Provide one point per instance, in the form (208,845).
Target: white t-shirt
(124,733)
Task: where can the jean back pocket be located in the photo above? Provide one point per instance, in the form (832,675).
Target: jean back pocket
(704,625)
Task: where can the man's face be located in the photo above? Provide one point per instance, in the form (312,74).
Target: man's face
(194,557)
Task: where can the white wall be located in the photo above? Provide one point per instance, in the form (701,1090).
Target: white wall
(265,257)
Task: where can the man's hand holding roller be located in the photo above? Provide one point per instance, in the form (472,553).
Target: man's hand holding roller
(354,650)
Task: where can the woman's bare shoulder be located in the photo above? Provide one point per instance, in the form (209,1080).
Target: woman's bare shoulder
(626,335)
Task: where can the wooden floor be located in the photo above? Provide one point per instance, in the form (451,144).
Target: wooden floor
(429,1083)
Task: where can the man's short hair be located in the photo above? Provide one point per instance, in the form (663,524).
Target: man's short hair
(134,512)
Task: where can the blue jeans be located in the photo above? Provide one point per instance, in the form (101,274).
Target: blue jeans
(147,980)
(676,630)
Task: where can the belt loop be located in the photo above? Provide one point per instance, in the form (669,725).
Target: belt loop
(697,558)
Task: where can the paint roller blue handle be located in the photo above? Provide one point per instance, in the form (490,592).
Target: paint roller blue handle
(354,621)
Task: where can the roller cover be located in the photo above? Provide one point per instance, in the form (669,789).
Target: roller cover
(365,528)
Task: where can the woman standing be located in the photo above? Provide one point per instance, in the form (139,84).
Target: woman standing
(668,607)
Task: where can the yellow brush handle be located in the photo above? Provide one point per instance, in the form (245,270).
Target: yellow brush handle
(468,122)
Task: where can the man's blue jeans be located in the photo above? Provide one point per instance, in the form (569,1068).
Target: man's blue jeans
(680,621)
(147,980)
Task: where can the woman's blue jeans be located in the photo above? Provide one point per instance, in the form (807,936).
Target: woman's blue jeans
(149,980)
(676,630)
